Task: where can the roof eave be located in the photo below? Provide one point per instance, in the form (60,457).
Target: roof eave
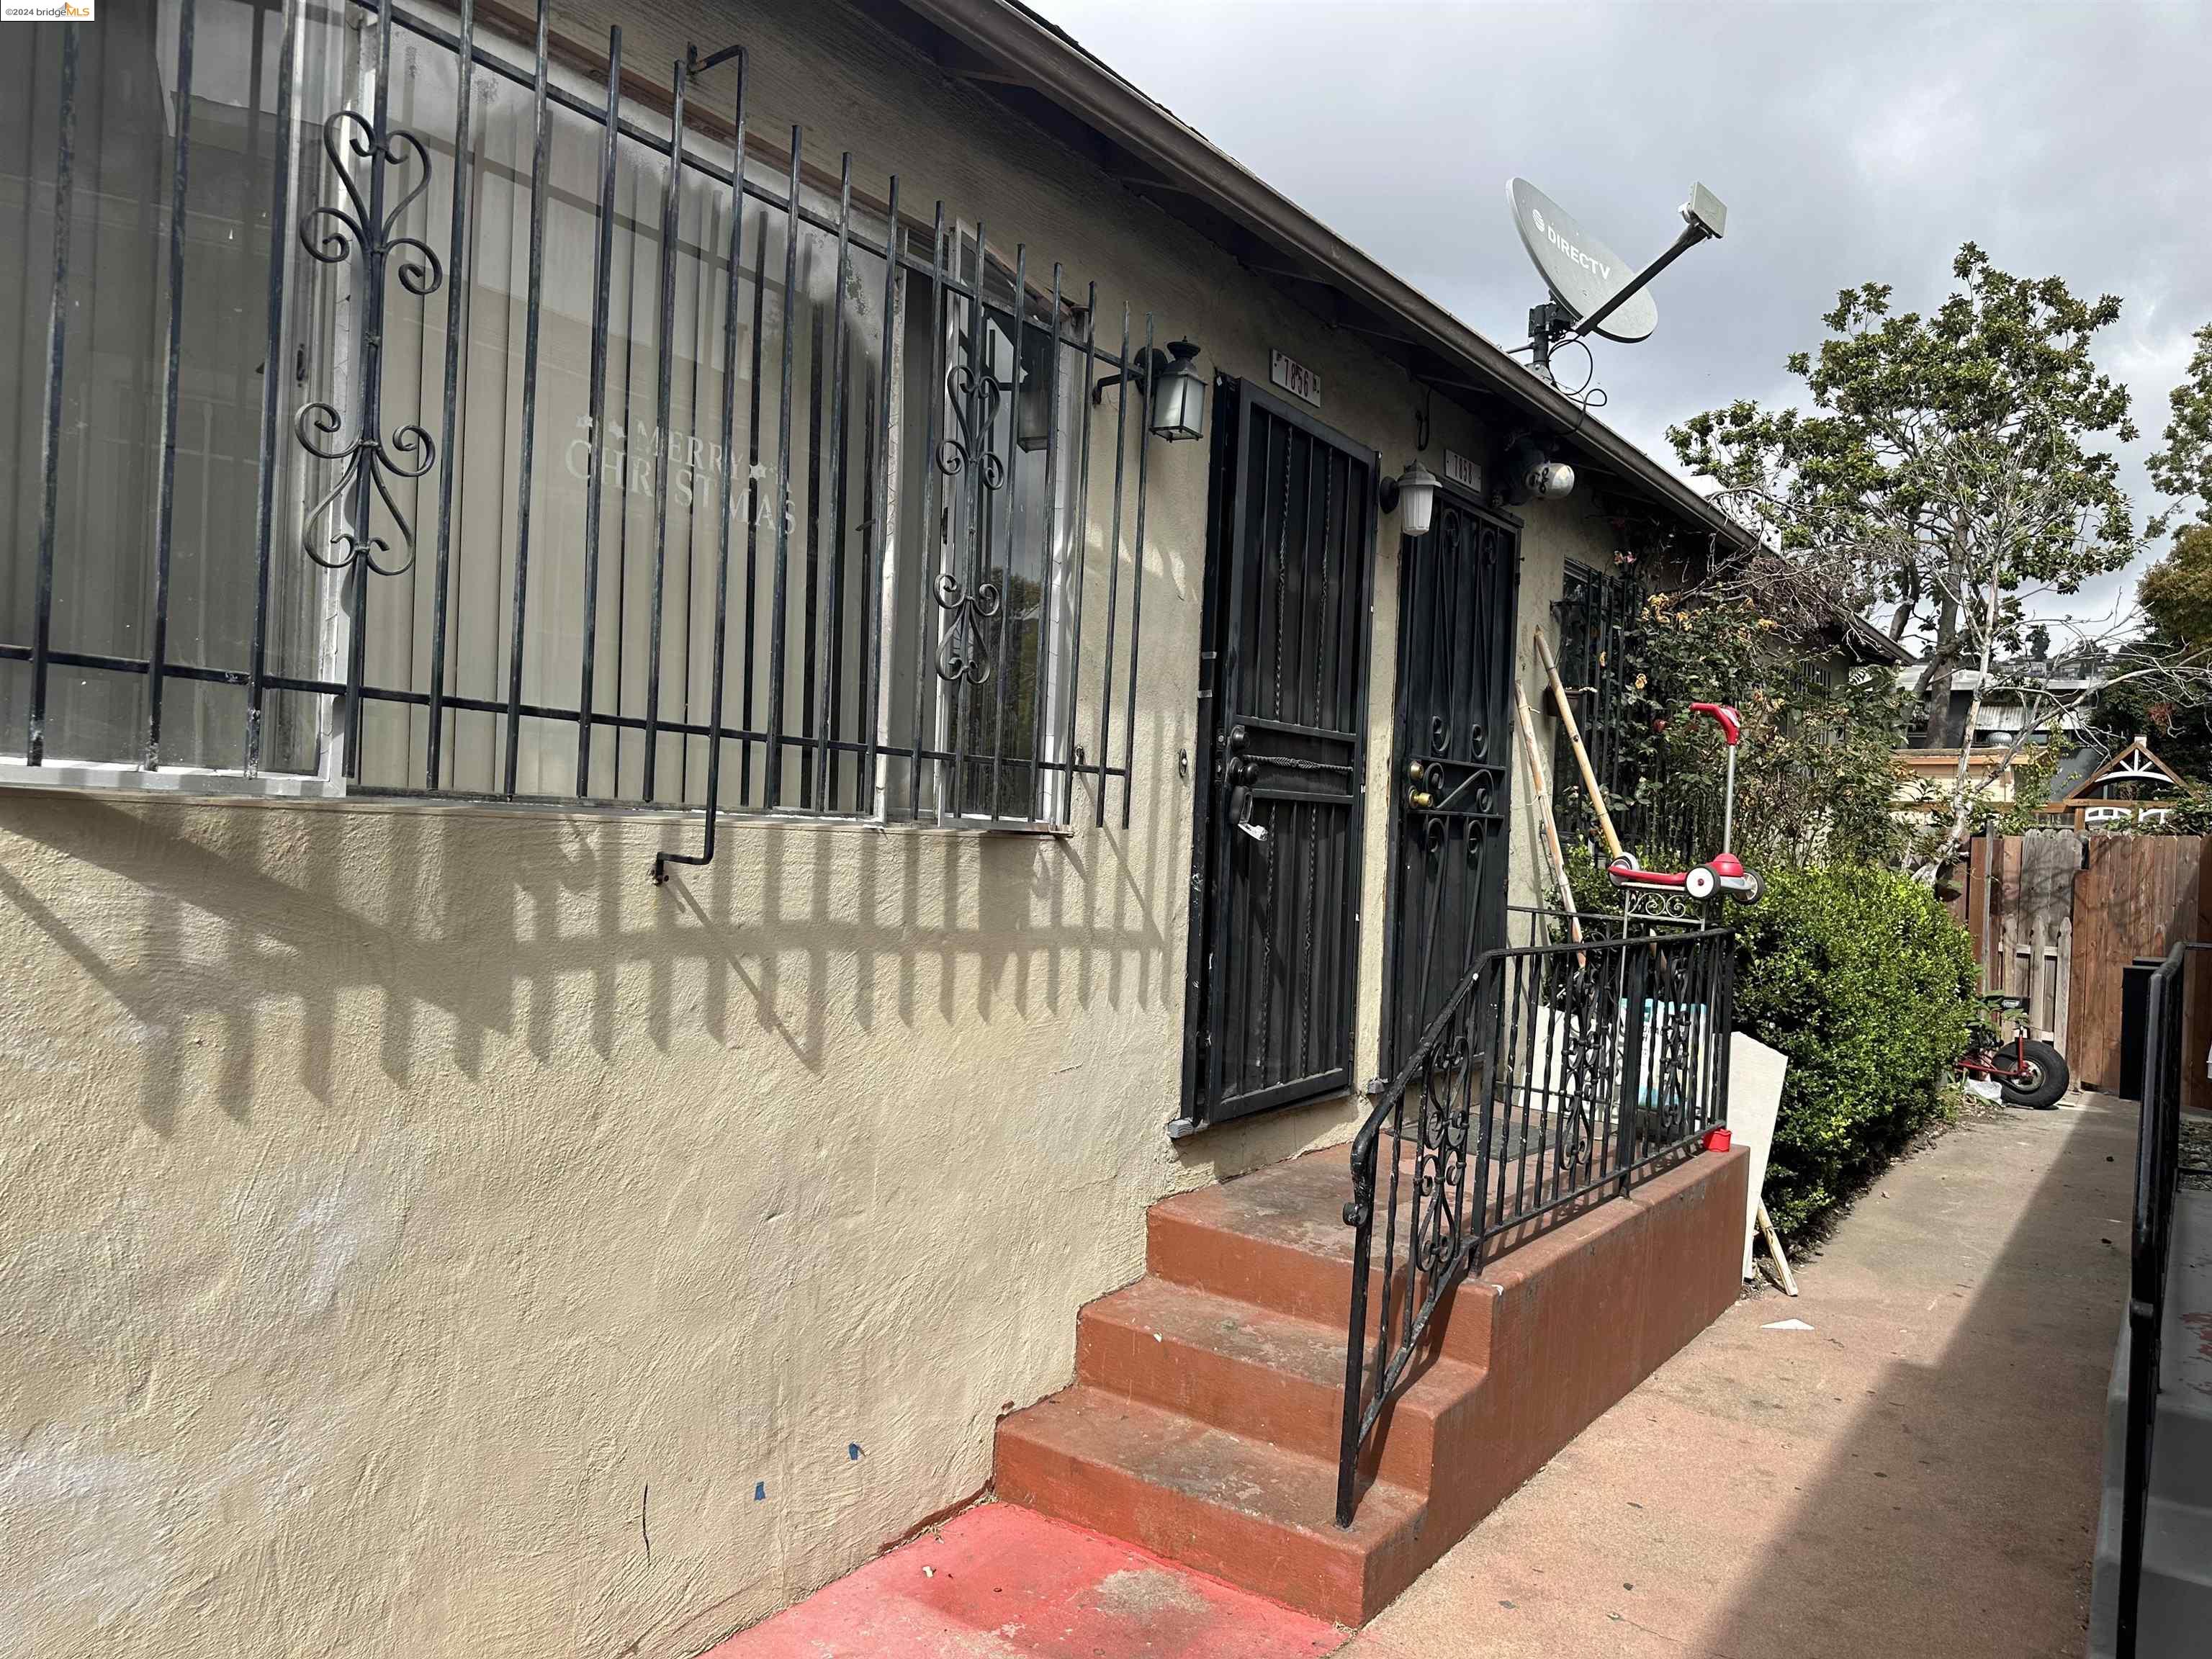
(1050,64)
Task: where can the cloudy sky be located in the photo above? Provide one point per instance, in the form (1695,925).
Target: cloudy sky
(1852,143)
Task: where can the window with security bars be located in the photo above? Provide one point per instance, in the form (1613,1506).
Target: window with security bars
(481,434)
(1595,614)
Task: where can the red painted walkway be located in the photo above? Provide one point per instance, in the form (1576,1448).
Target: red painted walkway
(998,1582)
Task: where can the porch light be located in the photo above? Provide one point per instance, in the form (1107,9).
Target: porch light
(1413,495)
(1033,406)
(1178,393)
(1176,390)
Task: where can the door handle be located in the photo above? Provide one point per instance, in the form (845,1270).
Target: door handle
(1240,802)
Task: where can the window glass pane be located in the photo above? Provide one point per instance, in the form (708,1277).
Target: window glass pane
(983,522)
(846,519)
(661,481)
(108,464)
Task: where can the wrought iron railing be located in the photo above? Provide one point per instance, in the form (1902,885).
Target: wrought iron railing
(1556,1075)
(419,413)
(2158,1171)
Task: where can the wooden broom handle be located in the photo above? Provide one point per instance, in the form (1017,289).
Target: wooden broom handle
(1543,799)
(1574,742)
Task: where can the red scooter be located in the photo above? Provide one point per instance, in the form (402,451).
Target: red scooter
(1724,872)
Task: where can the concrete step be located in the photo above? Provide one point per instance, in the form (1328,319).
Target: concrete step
(2181,1444)
(1277,1240)
(1260,1374)
(1254,1514)
(1206,1416)
(2174,1613)
(2184,1445)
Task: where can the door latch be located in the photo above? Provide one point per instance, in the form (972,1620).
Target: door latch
(1240,800)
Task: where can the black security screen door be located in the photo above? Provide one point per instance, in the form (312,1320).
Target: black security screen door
(1275,887)
(1454,763)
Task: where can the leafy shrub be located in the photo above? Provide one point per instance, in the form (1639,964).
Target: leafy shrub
(1863,979)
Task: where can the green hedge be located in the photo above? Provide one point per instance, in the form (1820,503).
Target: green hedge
(1863,980)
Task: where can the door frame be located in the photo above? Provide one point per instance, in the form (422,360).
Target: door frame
(1225,520)
(1401,744)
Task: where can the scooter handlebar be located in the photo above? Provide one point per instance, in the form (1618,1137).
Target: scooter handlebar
(1730,722)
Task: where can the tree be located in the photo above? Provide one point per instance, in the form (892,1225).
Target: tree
(1952,468)
(2182,465)
(2175,593)
(2164,698)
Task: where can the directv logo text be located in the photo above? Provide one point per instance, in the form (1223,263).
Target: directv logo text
(1569,248)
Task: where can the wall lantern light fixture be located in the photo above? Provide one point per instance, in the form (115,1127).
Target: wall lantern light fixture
(1033,406)
(1413,495)
(1176,388)
(1028,381)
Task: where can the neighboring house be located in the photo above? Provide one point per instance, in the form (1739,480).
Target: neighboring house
(2096,787)
(1927,777)
(2048,699)
(2026,708)
(2131,785)
(627,869)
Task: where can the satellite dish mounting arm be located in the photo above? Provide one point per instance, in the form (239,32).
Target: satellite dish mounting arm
(1704,218)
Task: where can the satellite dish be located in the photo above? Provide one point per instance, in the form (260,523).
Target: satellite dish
(1582,272)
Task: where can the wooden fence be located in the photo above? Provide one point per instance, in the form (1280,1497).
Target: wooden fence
(2057,917)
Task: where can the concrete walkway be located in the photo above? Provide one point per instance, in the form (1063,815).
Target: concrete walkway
(1917,1474)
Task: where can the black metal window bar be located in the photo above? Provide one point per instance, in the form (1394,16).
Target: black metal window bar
(1656,812)
(477,435)
(1556,1075)
(2158,1173)
(1596,615)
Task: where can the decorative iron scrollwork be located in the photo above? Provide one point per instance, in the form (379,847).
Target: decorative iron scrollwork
(1557,1073)
(960,652)
(341,231)
(1440,1158)
(1666,1107)
(367,462)
(1662,905)
(1585,1041)
(1430,792)
(331,234)
(966,390)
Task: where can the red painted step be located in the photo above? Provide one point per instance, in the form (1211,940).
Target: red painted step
(1278,1241)
(1260,1517)
(1005,1581)
(1206,1411)
(1256,1373)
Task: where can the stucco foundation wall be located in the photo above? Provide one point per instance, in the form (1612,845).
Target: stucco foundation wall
(425,1235)
(395,1196)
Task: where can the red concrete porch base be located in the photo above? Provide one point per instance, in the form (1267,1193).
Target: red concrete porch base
(1205,1416)
(1000,1583)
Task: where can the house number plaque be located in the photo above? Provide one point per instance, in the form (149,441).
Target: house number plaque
(1295,378)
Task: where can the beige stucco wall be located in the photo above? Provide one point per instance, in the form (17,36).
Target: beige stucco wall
(424,1234)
